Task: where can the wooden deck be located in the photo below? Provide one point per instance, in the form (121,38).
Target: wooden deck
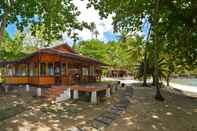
(90,87)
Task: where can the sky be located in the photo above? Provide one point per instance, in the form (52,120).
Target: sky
(104,27)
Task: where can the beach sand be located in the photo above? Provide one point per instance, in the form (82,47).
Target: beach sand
(185,89)
(176,113)
(144,113)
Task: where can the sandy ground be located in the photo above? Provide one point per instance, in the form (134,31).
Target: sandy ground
(176,113)
(57,117)
(186,89)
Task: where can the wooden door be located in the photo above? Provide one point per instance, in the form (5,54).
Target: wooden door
(57,73)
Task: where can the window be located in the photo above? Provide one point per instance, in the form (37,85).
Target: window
(63,70)
(10,70)
(32,70)
(23,68)
(17,73)
(92,71)
(50,69)
(35,70)
(85,71)
(42,69)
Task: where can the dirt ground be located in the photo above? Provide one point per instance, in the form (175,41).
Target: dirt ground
(42,116)
(176,113)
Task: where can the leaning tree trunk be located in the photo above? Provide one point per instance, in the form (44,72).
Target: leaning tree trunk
(153,76)
(145,66)
(145,58)
(168,79)
(171,69)
(3,25)
(158,95)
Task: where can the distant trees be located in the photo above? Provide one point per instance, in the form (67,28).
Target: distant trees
(93,30)
(92,48)
(123,55)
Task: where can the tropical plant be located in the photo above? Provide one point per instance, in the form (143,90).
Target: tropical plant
(171,20)
(96,33)
(162,69)
(92,28)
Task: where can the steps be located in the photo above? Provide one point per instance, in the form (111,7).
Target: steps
(57,94)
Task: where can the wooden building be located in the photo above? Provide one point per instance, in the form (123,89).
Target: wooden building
(59,65)
(118,73)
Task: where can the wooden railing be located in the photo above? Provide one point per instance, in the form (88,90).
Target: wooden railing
(45,80)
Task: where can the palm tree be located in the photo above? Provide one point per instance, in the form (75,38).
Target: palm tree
(92,28)
(96,33)
(162,69)
(135,48)
(158,95)
(73,35)
(75,39)
(145,57)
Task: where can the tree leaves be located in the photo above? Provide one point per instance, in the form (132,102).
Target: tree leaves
(54,16)
(176,25)
(13,49)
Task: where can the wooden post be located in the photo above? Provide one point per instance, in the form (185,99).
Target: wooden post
(6,88)
(94,97)
(39,68)
(66,69)
(39,91)
(27,88)
(47,69)
(113,88)
(108,94)
(75,94)
(68,93)
(28,69)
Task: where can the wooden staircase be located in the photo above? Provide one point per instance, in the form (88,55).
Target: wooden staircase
(56,94)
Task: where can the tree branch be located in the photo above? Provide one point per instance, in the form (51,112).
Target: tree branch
(5,19)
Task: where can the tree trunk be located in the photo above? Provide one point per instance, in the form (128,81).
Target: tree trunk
(92,35)
(171,69)
(158,95)
(3,25)
(168,79)
(153,76)
(74,45)
(145,67)
(145,59)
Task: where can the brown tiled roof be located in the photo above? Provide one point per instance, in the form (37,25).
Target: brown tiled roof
(70,55)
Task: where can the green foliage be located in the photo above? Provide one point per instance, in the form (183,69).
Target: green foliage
(14,49)
(175,23)
(93,48)
(162,69)
(123,55)
(52,17)
(93,30)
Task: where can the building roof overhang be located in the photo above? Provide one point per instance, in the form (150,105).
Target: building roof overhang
(53,51)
